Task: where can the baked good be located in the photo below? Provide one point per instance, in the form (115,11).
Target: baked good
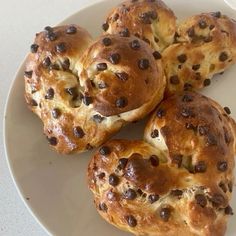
(150,20)
(85,94)
(206,46)
(178,182)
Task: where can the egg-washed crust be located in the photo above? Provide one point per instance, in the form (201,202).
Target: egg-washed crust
(178,182)
(205,46)
(77,115)
(151,20)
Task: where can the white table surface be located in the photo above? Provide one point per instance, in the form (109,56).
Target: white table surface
(19,21)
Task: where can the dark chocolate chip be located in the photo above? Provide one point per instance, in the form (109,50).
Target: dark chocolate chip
(122,76)
(50,94)
(211,140)
(28,74)
(61,47)
(208,39)
(216,14)
(190,126)
(143,64)
(207,82)
(146,40)
(73,91)
(52,141)
(121,102)
(125,33)
(105,26)
(103,207)
(157,55)
(211,27)
(153,15)
(114,58)
(48,28)
(104,150)
(113,180)
(187,86)
(223,187)
(130,194)
(156,39)
(160,113)
(33,103)
(106,42)
(187,112)
(154,160)
(101,175)
(66,64)
(102,85)
(223,56)
(46,62)
(153,198)
(229,210)
(54,67)
(200,167)
(101,66)
(201,200)
(98,119)
(122,163)
(78,132)
(187,98)
(56,113)
(145,18)
(135,44)
(165,214)
(155,133)
(191,32)
(182,58)
(202,24)
(227,110)
(71,29)
(198,76)
(176,192)
(51,36)
(132,222)
(222,166)
(218,200)
(203,130)
(34,48)
(87,100)
(111,196)
(196,67)
(116,17)
(230,186)
(174,79)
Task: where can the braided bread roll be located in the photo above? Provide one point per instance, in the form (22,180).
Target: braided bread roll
(150,20)
(85,92)
(179,182)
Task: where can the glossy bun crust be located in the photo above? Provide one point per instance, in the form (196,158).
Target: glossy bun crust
(206,45)
(62,88)
(150,20)
(180,183)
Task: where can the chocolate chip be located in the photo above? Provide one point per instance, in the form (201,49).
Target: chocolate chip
(230,186)
(187,86)
(135,44)
(146,40)
(217,200)
(87,100)
(143,64)
(103,207)
(157,55)
(211,27)
(46,62)
(182,58)
(104,150)
(89,146)
(98,119)
(223,187)
(200,167)
(122,163)
(154,160)
(28,74)
(51,36)
(222,166)
(48,28)
(73,91)
(52,141)
(106,41)
(155,133)
(113,180)
(61,47)
(165,214)
(153,15)
(226,136)
(191,32)
(227,110)
(223,56)
(208,39)
(56,113)
(216,14)
(121,102)
(202,24)
(203,130)
(50,94)
(156,39)
(196,67)
(122,76)
(116,17)
(211,140)
(145,18)
(207,82)
(177,159)
(111,196)
(153,198)
(101,66)
(78,132)
(229,210)
(187,98)
(105,26)
(132,222)
(201,200)
(125,33)
(102,85)
(190,126)
(33,103)
(176,193)
(101,175)
(187,113)
(34,48)
(71,29)
(160,113)
(130,194)
(66,64)
(114,58)
(174,79)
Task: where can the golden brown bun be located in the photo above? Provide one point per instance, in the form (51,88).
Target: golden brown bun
(152,21)
(206,46)
(180,183)
(78,116)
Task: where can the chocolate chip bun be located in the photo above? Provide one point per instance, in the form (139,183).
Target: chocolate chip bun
(206,46)
(150,20)
(85,94)
(178,182)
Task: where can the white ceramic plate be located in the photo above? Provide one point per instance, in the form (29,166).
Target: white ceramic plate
(53,186)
